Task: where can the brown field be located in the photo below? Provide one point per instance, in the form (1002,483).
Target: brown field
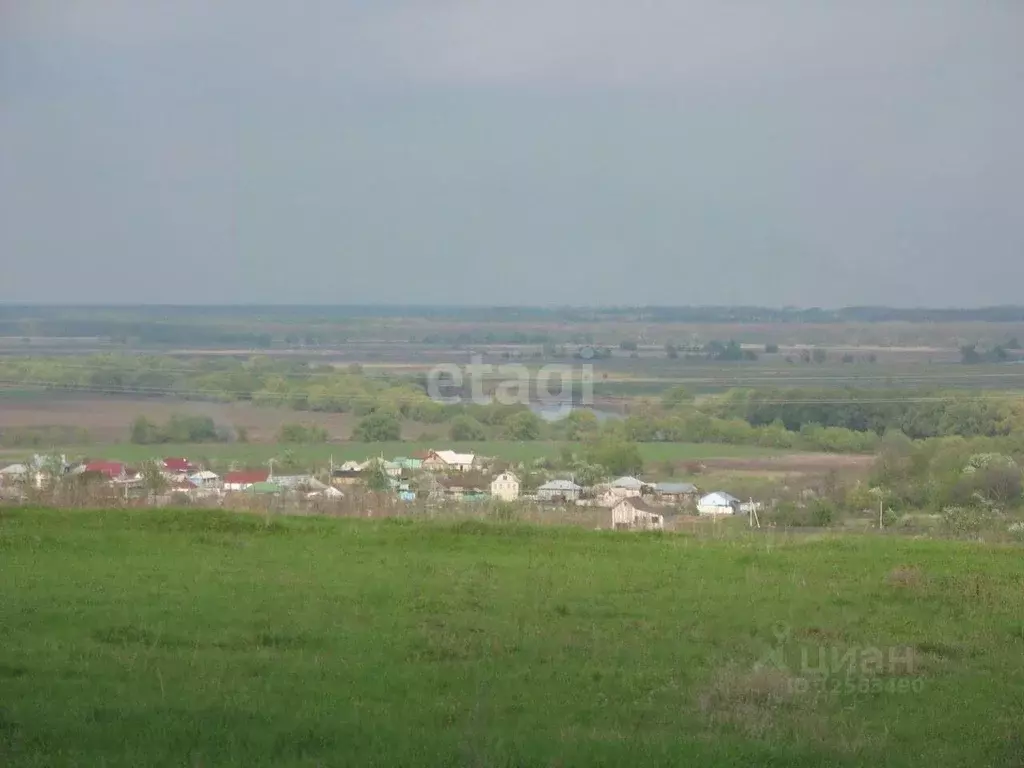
(797,463)
(108,419)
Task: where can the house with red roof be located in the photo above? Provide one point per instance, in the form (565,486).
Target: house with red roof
(177,466)
(245,479)
(113,470)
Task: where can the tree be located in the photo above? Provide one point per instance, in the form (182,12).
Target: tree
(628,345)
(819,355)
(587,475)
(771,349)
(153,479)
(523,425)
(671,352)
(675,397)
(377,478)
(969,354)
(378,427)
(145,432)
(579,424)
(465,428)
(618,457)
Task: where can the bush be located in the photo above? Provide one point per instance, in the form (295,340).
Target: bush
(965,521)
(378,427)
(823,513)
(467,428)
(302,434)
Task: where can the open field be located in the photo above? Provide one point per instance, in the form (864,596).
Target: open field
(108,418)
(206,639)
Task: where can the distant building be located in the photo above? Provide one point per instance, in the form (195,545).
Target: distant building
(245,479)
(204,478)
(676,493)
(112,470)
(406,464)
(559,490)
(448,461)
(505,487)
(177,466)
(718,503)
(635,514)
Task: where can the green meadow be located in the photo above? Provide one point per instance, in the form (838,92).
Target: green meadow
(165,638)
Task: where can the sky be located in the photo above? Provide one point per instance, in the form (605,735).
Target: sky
(537,152)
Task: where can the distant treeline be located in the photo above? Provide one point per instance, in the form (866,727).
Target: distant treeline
(172,322)
(918,413)
(841,420)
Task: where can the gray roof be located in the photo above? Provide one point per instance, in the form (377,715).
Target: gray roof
(640,505)
(628,482)
(675,488)
(560,485)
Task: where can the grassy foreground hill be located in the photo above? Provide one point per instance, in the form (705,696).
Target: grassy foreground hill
(207,639)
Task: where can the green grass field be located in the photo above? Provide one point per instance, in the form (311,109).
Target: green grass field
(206,639)
(259,453)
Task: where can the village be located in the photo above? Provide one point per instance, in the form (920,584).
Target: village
(434,477)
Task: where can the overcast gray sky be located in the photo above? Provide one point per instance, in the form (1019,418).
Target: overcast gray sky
(512,151)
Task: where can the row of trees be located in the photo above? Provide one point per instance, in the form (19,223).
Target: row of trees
(178,429)
(918,414)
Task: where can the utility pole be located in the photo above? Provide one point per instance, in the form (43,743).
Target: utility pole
(880,503)
(270,463)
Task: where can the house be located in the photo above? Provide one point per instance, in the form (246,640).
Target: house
(559,490)
(630,486)
(718,503)
(183,486)
(349,474)
(15,474)
(505,487)
(406,464)
(448,461)
(177,466)
(244,479)
(37,471)
(112,470)
(205,479)
(635,514)
(462,488)
(676,493)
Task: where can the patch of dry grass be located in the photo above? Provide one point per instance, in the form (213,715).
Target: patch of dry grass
(906,577)
(749,700)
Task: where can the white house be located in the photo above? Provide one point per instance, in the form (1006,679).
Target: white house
(718,503)
(635,514)
(204,478)
(443,461)
(15,473)
(505,487)
(559,490)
